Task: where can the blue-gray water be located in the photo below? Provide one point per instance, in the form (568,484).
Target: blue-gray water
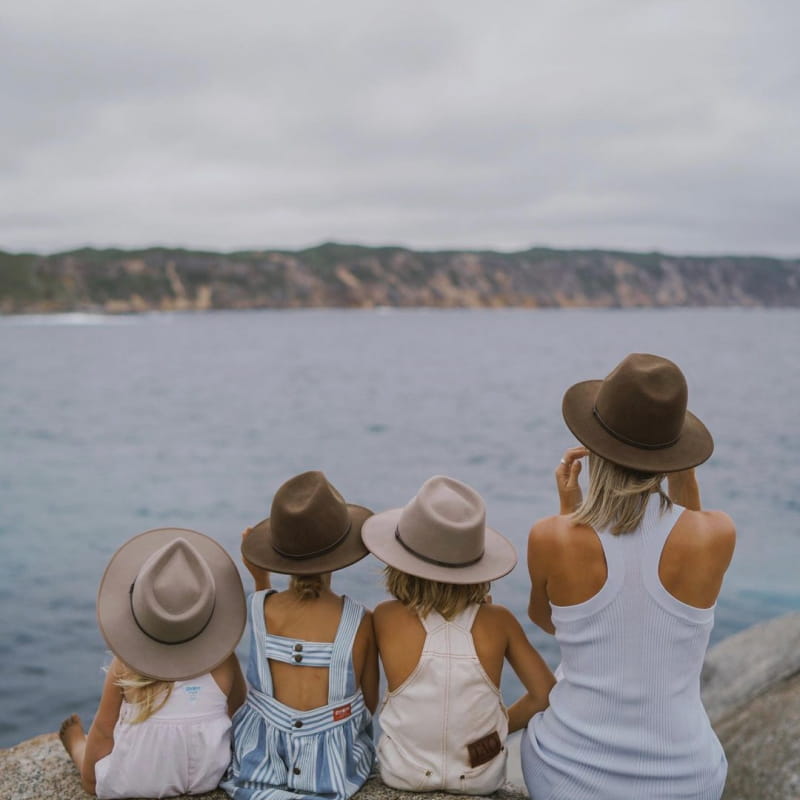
(113,425)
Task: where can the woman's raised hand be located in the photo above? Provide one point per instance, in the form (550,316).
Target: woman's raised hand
(569,490)
(260,575)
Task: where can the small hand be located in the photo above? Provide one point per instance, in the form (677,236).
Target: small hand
(260,575)
(569,490)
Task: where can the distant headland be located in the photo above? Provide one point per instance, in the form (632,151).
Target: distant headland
(352,276)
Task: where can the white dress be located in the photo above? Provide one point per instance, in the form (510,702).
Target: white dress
(184,748)
(626,719)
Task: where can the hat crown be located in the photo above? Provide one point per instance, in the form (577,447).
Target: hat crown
(308,516)
(642,402)
(445,523)
(173,594)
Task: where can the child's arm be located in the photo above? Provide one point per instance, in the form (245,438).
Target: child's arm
(100,739)
(234,684)
(369,674)
(531,669)
(260,576)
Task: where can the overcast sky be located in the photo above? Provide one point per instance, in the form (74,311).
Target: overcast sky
(637,124)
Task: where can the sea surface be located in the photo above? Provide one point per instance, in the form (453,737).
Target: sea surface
(112,425)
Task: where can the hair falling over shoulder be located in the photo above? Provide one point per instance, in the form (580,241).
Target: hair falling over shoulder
(617,497)
(147,694)
(422,595)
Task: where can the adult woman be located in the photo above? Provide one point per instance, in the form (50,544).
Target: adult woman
(627,580)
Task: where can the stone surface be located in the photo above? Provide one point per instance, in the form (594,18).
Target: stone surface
(751,687)
(762,741)
(40,769)
(745,664)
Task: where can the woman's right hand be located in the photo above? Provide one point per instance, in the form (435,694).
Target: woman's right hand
(569,490)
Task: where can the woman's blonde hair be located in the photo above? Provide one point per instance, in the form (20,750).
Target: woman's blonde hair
(423,596)
(617,497)
(147,694)
(306,587)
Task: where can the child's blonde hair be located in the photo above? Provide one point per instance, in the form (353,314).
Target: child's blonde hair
(147,694)
(422,595)
(306,587)
(617,496)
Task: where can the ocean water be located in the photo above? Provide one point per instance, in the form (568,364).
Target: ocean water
(113,425)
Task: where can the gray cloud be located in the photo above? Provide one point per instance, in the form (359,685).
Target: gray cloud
(662,124)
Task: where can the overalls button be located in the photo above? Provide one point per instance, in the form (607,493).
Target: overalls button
(298,658)
(298,723)
(296,770)
(298,648)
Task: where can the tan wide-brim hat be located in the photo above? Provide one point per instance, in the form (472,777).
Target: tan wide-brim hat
(310,530)
(441,535)
(636,417)
(171,604)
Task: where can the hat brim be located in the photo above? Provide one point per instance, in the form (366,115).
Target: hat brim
(257,548)
(499,556)
(694,446)
(169,662)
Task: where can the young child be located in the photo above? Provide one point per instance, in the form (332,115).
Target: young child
(443,644)
(306,727)
(171,608)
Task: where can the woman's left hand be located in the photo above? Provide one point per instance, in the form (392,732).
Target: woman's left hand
(569,490)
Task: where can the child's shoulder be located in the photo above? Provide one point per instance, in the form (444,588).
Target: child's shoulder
(390,610)
(495,615)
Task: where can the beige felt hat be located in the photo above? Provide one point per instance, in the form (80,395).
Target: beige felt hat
(441,535)
(171,604)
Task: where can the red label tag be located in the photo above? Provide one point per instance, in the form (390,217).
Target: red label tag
(343,712)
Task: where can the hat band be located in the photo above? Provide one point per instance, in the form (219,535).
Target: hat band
(322,551)
(161,641)
(626,440)
(433,560)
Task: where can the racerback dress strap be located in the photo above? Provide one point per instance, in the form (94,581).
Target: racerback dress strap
(341,676)
(258,642)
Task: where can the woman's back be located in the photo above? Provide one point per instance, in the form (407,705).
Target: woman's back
(626,719)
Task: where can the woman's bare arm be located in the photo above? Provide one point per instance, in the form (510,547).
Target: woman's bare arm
(539,548)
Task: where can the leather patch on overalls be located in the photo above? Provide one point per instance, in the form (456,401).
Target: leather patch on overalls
(342,712)
(484,749)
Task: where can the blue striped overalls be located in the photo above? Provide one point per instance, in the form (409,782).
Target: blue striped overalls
(281,753)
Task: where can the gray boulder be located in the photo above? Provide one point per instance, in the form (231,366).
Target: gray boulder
(751,690)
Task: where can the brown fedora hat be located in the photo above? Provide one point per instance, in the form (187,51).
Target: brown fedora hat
(310,529)
(441,535)
(171,604)
(636,417)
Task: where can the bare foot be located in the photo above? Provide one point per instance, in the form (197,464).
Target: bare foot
(71,733)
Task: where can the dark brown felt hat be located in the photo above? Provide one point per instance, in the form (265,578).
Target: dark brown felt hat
(636,417)
(310,529)
(171,604)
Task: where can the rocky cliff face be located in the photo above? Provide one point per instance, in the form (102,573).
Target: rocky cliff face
(364,277)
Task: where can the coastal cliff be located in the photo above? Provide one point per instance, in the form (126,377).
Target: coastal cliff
(751,689)
(348,276)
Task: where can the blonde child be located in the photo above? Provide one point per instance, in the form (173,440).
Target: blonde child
(306,727)
(171,608)
(443,645)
